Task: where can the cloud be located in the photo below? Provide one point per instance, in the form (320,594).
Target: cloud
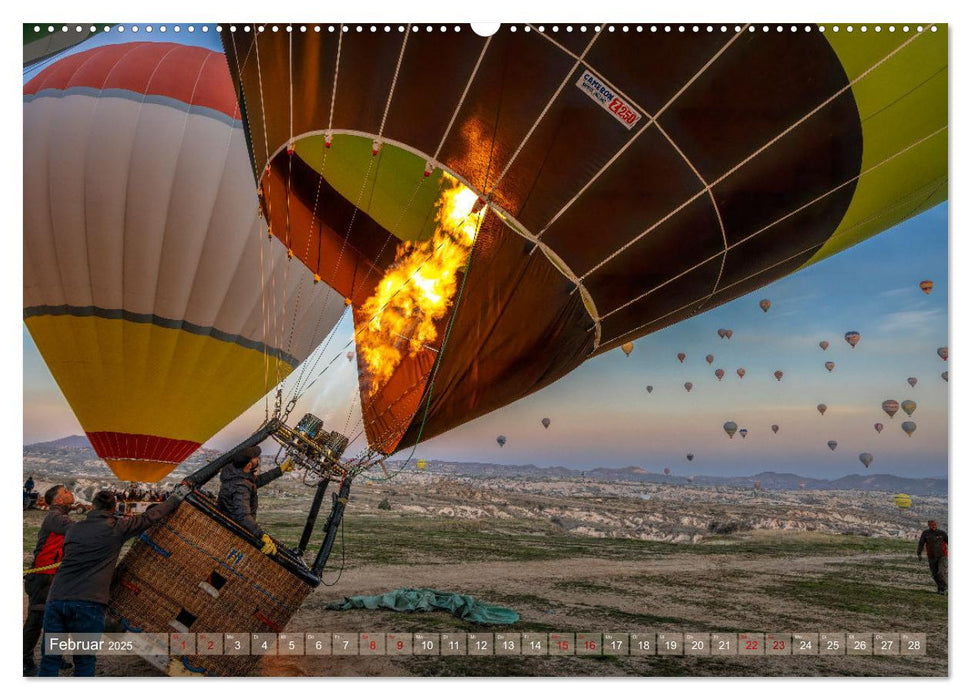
(910,321)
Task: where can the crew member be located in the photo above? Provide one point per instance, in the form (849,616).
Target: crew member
(47,554)
(80,591)
(239,482)
(935,542)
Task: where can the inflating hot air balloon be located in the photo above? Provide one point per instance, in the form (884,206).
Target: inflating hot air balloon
(832,445)
(908,426)
(730,427)
(546,422)
(821,408)
(628,348)
(912,381)
(878,427)
(944,375)
(719,373)
(775,428)
(942,353)
(765,304)
(926,286)
(501,440)
(690,457)
(649,388)
(902,501)
(824,344)
(890,407)
(709,359)
(740,372)
(866,458)
(852,337)
(778,375)
(667,472)
(908,406)
(759,192)
(830,366)
(743,432)
(687,386)
(681,357)
(146,277)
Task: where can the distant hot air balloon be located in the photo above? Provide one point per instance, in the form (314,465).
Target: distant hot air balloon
(546,422)
(802,484)
(721,332)
(942,353)
(852,337)
(691,479)
(912,381)
(667,472)
(909,427)
(832,445)
(690,458)
(350,356)
(926,286)
(878,427)
(728,333)
(719,373)
(743,432)
(628,348)
(421,464)
(778,375)
(824,344)
(687,386)
(866,458)
(649,388)
(944,375)
(829,366)
(501,440)
(890,407)
(757,486)
(709,359)
(681,357)
(765,304)
(740,372)
(775,428)
(821,408)
(730,427)
(909,406)
(902,501)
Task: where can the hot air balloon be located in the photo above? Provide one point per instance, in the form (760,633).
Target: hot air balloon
(909,427)
(909,406)
(721,332)
(740,372)
(802,484)
(764,305)
(778,375)
(829,366)
(944,375)
(821,408)
(546,422)
(852,337)
(350,356)
(709,359)
(878,427)
(942,353)
(728,333)
(687,386)
(628,348)
(649,388)
(681,357)
(667,472)
(775,428)
(421,464)
(730,427)
(866,458)
(782,158)
(912,381)
(824,344)
(890,407)
(719,373)
(902,501)
(743,432)
(757,486)
(832,445)
(501,440)
(145,272)
(690,459)
(926,286)
(691,479)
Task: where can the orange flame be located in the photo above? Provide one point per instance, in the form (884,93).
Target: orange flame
(418,288)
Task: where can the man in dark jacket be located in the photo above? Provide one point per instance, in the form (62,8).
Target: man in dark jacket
(238,491)
(935,542)
(80,591)
(47,557)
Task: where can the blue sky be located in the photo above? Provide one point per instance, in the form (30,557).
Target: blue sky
(602,414)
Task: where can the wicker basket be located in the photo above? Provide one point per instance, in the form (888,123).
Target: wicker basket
(199,572)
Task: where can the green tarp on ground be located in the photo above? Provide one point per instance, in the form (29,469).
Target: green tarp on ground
(426,599)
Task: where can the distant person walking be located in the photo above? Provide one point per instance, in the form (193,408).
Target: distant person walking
(47,555)
(934,541)
(239,483)
(28,489)
(80,591)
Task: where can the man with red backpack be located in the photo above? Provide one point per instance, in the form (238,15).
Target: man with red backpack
(47,557)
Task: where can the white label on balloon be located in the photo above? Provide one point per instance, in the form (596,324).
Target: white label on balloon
(604,95)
